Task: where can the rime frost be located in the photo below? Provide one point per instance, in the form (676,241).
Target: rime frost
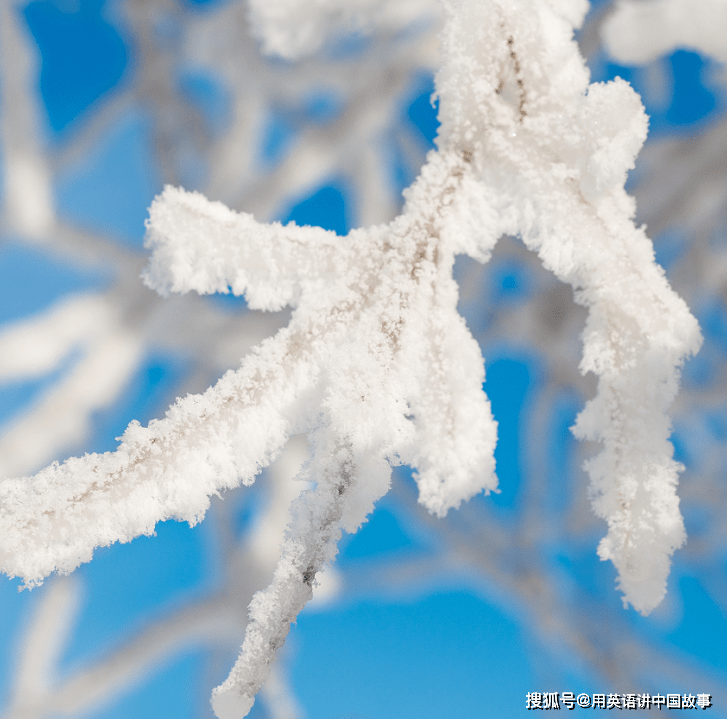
(376,365)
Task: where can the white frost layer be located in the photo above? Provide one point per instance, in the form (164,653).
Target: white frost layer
(376,365)
(400,377)
(639,32)
(54,520)
(551,154)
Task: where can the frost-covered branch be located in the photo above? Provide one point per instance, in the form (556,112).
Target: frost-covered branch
(376,365)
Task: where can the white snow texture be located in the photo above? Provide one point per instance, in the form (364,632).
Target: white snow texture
(376,365)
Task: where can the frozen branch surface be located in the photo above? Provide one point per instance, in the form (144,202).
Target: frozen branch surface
(376,365)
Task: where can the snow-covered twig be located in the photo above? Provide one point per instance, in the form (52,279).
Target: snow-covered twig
(376,365)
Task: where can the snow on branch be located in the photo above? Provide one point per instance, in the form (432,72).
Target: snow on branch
(268,263)
(376,365)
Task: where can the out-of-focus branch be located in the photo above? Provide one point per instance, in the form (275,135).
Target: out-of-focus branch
(28,204)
